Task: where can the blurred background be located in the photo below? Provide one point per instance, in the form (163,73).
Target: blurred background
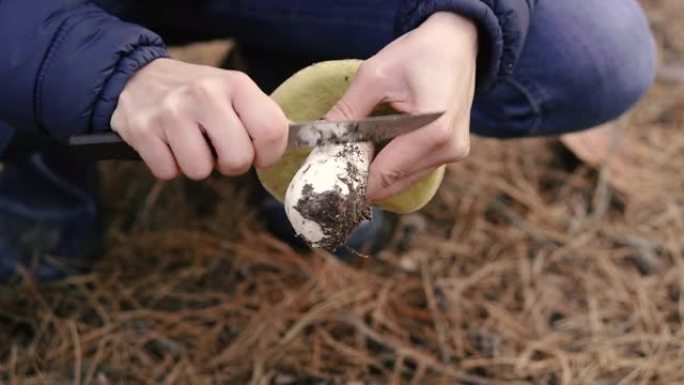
(540,261)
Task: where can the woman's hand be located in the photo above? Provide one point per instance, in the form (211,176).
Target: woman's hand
(431,68)
(168,107)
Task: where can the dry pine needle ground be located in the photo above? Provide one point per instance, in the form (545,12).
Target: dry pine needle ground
(528,268)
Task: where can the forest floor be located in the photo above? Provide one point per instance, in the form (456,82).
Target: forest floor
(531,266)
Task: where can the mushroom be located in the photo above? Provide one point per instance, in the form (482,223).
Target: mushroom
(326,199)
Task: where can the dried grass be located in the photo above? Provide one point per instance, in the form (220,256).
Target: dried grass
(528,268)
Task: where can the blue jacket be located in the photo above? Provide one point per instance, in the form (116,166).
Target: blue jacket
(63,63)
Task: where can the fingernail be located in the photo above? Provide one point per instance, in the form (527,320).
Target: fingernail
(371,191)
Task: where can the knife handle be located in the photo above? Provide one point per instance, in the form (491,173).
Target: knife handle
(101,146)
(108,145)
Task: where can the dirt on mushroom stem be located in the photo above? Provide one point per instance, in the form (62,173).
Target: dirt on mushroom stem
(338,212)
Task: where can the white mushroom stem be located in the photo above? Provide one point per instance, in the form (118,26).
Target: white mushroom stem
(326,198)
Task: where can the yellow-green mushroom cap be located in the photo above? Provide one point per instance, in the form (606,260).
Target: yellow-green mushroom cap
(308,95)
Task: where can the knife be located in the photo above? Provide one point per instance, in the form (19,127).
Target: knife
(110,145)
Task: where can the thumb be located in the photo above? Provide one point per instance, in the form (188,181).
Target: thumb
(407,158)
(364,93)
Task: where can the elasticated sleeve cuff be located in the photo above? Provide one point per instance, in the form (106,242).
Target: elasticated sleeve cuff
(502,26)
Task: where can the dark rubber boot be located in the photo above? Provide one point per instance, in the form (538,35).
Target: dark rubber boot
(49,216)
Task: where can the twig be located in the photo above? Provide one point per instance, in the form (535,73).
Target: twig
(78,354)
(437,318)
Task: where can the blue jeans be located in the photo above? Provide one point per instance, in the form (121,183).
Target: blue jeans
(585,62)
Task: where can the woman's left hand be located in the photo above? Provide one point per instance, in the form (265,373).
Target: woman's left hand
(431,68)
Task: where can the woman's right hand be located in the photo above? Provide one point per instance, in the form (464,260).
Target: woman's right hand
(168,107)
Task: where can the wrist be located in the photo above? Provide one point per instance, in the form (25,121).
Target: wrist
(461,30)
(127,68)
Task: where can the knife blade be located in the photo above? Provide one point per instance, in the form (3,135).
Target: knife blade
(374,129)
(110,145)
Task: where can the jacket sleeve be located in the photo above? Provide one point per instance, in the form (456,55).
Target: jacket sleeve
(63,64)
(502,26)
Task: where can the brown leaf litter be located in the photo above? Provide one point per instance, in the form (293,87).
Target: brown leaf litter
(529,267)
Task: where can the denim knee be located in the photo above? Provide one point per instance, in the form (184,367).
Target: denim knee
(584,63)
(626,68)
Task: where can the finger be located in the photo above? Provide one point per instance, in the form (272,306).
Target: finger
(158,157)
(263,119)
(152,149)
(399,186)
(229,137)
(413,153)
(189,148)
(365,92)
